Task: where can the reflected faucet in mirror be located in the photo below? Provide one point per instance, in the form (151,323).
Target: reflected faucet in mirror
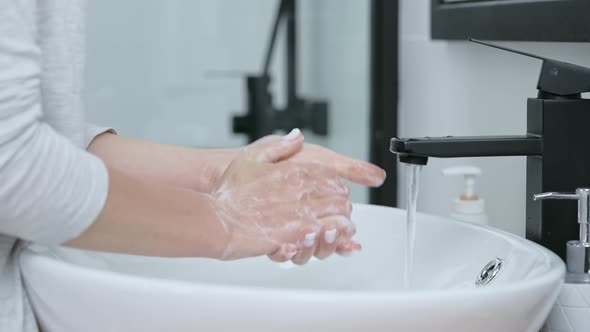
(262,117)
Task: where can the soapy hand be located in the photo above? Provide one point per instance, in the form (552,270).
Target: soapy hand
(269,204)
(351,169)
(331,239)
(354,170)
(309,176)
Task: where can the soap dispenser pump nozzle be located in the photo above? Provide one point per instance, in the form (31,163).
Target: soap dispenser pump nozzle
(468,206)
(469,174)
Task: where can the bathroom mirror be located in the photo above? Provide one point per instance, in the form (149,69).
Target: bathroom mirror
(532,20)
(173,71)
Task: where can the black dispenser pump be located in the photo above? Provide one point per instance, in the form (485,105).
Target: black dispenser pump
(555,145)
(558,79)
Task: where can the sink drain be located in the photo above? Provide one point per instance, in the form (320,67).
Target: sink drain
(489,272)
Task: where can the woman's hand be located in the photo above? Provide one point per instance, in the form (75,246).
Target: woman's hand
(354,170)
(271,205)
(331,238)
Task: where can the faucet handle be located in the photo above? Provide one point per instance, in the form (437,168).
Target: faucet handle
(557,77)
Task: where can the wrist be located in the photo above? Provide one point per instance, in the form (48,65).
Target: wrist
(219,161)
(223,235)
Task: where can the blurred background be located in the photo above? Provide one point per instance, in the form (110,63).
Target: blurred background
(175,72)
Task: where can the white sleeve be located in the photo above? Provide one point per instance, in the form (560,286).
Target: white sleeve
(50,190)
(93,130)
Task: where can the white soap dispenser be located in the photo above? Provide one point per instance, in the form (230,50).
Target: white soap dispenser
(469,206)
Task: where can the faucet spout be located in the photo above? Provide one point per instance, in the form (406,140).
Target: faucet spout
(418,150)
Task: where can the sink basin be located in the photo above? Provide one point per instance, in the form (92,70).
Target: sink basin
(75,290)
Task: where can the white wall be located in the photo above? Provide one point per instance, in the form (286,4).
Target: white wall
(158,70)
(458,88)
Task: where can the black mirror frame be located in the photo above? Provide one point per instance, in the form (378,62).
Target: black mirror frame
(384,96)
(533,20)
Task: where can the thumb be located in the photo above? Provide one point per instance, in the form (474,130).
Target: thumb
(279,148)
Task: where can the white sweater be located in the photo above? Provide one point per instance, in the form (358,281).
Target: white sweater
(51,189)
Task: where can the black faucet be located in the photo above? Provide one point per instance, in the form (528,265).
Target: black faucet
(557,147)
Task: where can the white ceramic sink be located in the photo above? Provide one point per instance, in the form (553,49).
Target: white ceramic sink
(84,291)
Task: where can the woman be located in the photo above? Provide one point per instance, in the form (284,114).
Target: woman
(62,182)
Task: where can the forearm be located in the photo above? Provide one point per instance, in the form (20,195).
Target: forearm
(197,169)
(148,218)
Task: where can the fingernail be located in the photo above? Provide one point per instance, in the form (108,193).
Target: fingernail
(348,253)
(309,240)
(378,181)
(345,189)
(291,254)
(351,252)
(345,223)
(330,236)
(351,228)
(292,135)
